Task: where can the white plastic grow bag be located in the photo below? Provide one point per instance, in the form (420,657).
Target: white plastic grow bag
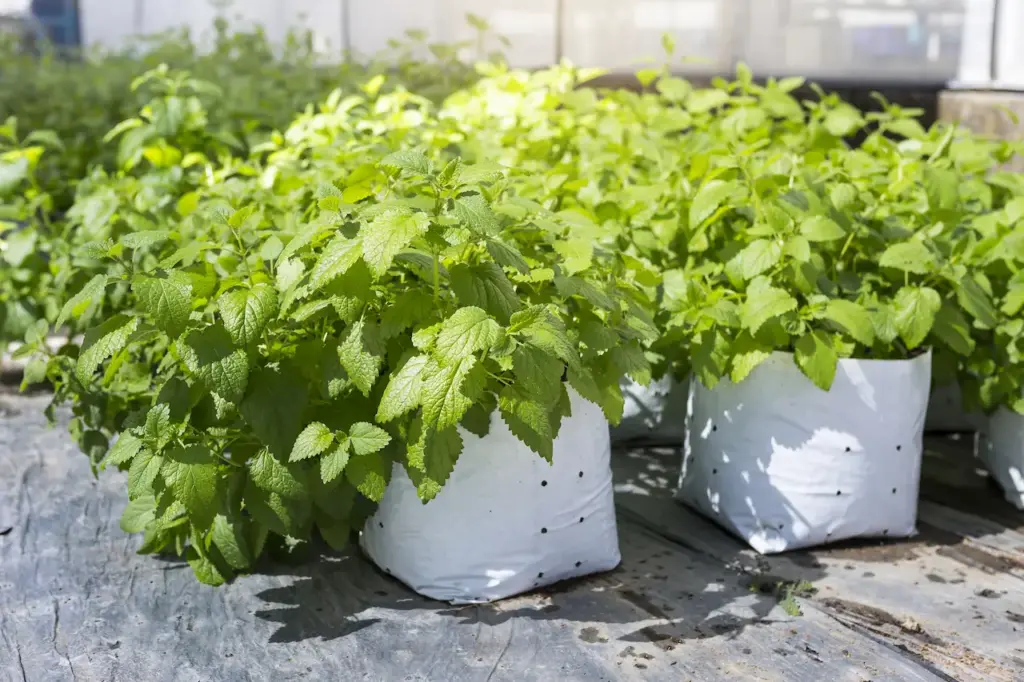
(654,414)
(506,521)
(1002,451)
(784,464)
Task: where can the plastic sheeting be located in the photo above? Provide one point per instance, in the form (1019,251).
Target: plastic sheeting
(653,414)
(784,465)
(507,521)
(1002,451)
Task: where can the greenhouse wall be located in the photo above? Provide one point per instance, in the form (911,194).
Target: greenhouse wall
(904,41)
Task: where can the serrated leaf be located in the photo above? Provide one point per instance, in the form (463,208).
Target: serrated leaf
(539,327)
(204,569)
(952,328)
(763,303)
(367,438)
(485,286)
(538,374)
(247,312)
(144,239)
(915,309)
(340,255)
(942,187)
(442,398)
(708,199)
(759,256)
(387,235)
(404,391)
(81,301)
(166,298)
(193,482)
(910,256)
(409,161)
(821,229)
(362,367)
(274,477)
(747,355)
(473,212)
(138,514)
(507,255)
(124,450)
(211,356)
(143,472)
(852,318)
(467,331)
(230,539)
(333,463)
(976,302)
(528,420)
(102,342)
(370,475)
(432,457)
(314,440)
(817,359)
(409,308)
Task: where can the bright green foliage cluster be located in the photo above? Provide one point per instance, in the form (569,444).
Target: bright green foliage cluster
(273,346)
(764,228)
(276,316)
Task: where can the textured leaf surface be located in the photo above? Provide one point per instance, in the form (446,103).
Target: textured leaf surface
(247,312)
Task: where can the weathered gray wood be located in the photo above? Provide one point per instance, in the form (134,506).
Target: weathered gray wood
(950,596)
(76,603)
(986,112)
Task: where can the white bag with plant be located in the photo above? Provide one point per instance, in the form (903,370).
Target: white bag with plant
(507,521)
(1002,451)
(784,465)
(654,414)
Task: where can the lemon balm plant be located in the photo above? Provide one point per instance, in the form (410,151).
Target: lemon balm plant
(261,383)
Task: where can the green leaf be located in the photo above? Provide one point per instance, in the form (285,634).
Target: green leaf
(507,255)
(976,302)
(314,440)
(538,374)
(274,407)
(192,476)
(387,235)
(485,286)
(444,402)
(540,328)
(915,309)
(747,354)
(409,308)
(144,239)
(852,318)
(821,229)
(952,328)
(204,569)
(367,438)
(577,255)
(467,331)
(404,391)
(843,121)
(758,257)
(166,298)
(124,450)
(409,161)
(81,301)
(432,456)
(370,475)
(911,256)
(272,476)
(246,312)
(528,420)
(764,302)
(211,356)
(229,537)
(708,199)
(473,212)
(143,472)
(817,359)
(340,255)
(102,342)
(138,514)
(333,463)
(362,366)
(942,187)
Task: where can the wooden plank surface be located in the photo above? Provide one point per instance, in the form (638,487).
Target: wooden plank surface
(76,602)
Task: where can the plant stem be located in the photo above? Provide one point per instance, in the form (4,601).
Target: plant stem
(437,278)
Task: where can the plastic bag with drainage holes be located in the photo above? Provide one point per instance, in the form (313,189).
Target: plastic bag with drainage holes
(783,464)
(1002,451)
(506,521)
